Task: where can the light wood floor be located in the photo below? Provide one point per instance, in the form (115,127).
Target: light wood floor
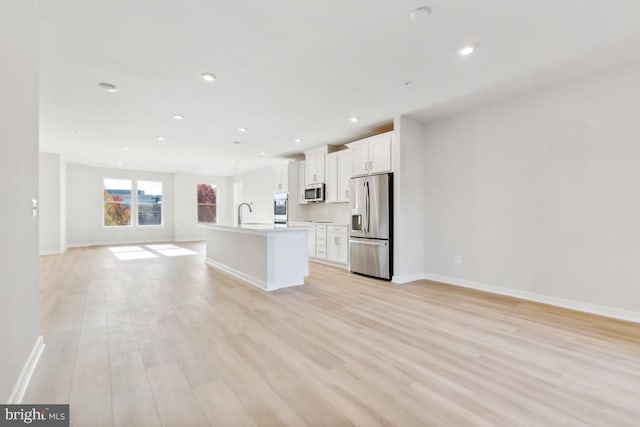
(169,341)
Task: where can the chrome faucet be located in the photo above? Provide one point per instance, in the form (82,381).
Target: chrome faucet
(240,211)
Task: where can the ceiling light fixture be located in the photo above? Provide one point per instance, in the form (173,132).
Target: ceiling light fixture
(108,87)
(161,138)
(236,142)
(208,77)
(178,116)
(233,162)
(242,129)
(421,12)
(467,50)
(125,148)
(207,171)
(298,140)
(354,119)
(262,153)
(119,163)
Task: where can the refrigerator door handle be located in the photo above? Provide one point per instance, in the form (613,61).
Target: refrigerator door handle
(367,206)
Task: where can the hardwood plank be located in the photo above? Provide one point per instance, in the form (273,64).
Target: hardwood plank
(170,342)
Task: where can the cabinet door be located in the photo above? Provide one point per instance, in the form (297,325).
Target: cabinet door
(342,241)
(337,248)
(301,178)
(344,175)
(309,168)
(281,173)
(321,159)
(331,185)
(380,155)
(359,160)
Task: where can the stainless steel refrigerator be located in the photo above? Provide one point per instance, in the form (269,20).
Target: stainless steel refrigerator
(371,231)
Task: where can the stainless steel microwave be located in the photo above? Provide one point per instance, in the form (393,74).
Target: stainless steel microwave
(314,193)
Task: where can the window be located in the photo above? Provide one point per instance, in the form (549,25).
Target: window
(117,202)
(207,203)
(149,203)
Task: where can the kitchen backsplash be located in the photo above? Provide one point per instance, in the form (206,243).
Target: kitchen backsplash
(333,212)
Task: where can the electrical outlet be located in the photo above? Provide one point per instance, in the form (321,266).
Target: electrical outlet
(457,259)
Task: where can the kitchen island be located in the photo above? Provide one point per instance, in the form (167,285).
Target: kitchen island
(266,256)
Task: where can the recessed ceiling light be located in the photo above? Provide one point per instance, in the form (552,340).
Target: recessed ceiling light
(262,153)
(208,77)
(298,140)
(108,87)
(421,12)
(233,162)
(119,163)
(467,50)
(242,129)
(125,148)
(161,138)
(178,116)
(354,119)
(236,142)
(207,171)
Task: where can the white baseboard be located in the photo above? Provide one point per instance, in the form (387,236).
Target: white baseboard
(407,278)
(47,253)
(329,263)
(27,373)
(252,280)
(600,310)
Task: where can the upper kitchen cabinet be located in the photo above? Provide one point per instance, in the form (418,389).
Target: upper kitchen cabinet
(281,173)
(300,183)
(315,163)
(338,177)
(371,155)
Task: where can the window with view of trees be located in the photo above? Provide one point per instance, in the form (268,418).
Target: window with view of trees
(149,203)
(117,202)
(207,203)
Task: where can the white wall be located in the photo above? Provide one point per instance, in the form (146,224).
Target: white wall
(19,308)
(257,187)
(186,208)
(539,194)
(52,221)
(408,166)
(85,207)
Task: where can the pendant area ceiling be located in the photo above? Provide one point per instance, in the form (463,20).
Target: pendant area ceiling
(288,69)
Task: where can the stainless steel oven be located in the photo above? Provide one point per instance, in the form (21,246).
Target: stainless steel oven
(280,208)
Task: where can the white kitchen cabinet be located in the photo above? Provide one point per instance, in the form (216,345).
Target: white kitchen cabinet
(338,177)
(338,244)
(331,184)
(321,241)
(344,175)
(281,173)
(314,166)
(301,183)
(371,155)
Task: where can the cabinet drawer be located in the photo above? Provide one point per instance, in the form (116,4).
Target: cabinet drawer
(338,229)
(321,228)
(321,239)
(321,251)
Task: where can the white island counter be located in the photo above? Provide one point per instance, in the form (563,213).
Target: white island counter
(266,256)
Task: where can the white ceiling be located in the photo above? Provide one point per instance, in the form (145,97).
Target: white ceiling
(292,68)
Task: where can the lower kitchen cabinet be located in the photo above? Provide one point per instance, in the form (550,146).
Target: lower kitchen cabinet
(338,244)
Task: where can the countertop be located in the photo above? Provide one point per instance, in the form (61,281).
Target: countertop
(262,228)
